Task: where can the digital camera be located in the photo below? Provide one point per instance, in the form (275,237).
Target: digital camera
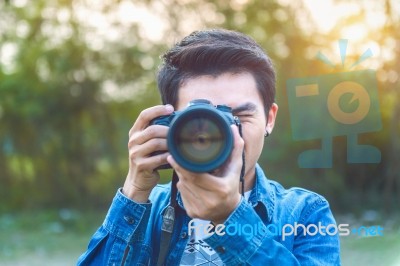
(199,137)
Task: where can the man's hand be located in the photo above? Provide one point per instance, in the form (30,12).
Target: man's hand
(212,196)
(143,141)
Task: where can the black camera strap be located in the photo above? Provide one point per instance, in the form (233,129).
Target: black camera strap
(242,171)
(168,221)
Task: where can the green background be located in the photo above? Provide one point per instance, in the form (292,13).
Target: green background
(74,75)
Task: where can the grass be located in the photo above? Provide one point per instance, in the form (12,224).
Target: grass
(378,250)
(58,237)
(365,249)
(46,237)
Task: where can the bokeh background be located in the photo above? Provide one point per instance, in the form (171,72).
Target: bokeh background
(74,75)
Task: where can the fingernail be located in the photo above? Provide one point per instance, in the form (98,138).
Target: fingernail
(169,108)
(169,157)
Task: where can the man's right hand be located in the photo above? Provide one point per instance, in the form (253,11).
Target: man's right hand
(143,141)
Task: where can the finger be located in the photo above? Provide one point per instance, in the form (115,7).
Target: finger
(198,202)
(151,132)
(189,192)
(201,180)
(235,162)
(182,172)
(151,163)
(146,149)
(188,199)
(149,114)
(177,168)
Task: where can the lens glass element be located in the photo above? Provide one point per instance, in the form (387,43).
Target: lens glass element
(200,140)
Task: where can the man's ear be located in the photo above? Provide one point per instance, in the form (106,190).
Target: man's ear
(271,117)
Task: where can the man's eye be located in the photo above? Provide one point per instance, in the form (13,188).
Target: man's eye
(244,117)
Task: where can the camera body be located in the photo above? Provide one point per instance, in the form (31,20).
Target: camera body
(199,137)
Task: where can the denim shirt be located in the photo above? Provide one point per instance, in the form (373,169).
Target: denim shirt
(130,234)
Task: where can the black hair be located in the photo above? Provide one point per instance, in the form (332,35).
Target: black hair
(215,52)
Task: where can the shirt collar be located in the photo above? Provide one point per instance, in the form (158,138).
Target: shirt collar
(261,192)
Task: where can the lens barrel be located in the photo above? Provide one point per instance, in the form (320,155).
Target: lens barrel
(200,138)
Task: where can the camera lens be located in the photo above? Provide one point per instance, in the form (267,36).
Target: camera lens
(200,140)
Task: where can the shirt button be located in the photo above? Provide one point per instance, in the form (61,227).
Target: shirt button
(129,219)
(184,235)
(220,249)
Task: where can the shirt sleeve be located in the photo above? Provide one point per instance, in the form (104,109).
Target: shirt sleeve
(247,241)
(121,234)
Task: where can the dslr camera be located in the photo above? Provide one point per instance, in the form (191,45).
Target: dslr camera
(199,137)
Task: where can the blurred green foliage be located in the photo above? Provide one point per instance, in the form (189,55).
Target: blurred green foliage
(74,75)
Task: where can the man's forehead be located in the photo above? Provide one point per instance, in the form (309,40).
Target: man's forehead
(234,90)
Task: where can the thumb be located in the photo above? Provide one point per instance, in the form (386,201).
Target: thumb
(235,164)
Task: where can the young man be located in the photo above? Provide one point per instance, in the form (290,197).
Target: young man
(269,225)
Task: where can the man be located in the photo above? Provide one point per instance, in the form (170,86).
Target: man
(229,68)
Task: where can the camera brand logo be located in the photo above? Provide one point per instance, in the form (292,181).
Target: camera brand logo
(338,104)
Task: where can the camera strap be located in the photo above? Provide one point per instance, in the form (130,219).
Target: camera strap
(168,221)
(242,171)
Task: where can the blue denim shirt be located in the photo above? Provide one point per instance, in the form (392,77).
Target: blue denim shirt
(130,234)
